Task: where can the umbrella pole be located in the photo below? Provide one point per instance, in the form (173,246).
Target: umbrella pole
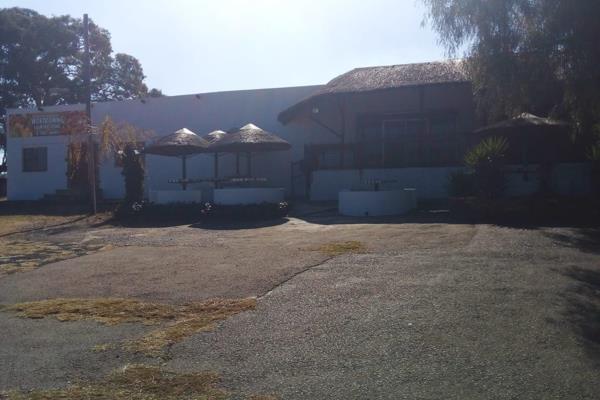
(237,164)
(184,172)
(216,170)
(249,159)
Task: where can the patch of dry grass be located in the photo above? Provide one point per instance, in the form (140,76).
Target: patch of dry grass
(136,382)
(10,224)
(19,255)
(178,321)
(99,348)
(339,248)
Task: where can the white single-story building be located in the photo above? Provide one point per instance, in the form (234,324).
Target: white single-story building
(408,125)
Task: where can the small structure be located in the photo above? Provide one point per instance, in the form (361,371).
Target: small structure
(182,143)
(533,139)
(540,155)
(246,140)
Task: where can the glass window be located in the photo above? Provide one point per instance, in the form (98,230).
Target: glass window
(372,144)
(35,159)
(402,139)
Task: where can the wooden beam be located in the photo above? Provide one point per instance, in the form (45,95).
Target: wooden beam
(322,125)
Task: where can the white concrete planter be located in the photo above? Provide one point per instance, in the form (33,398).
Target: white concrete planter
(376,203)
(175,196)
(244,196)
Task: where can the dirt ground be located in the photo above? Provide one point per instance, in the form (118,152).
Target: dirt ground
(427,307)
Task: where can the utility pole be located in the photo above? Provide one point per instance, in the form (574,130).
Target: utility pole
(91,148)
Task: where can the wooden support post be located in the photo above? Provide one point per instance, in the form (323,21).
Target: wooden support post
(249,161)
(216,170)
(184,172)
(342,131)
(91,149)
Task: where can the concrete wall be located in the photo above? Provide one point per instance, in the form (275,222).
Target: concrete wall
(34,185)
(566,179)
(432,183)
(429,182)
(202,114)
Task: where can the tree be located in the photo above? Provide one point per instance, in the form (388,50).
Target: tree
(127,78)
(41,62)
(537,56)
(154,92)
(133,172)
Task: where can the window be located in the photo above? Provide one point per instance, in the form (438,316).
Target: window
(410,140)
(35,159)
(401,141)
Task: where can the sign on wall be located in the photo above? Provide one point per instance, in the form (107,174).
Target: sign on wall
(46,124)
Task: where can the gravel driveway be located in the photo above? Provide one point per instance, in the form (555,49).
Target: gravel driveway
(502,317)
(431,310)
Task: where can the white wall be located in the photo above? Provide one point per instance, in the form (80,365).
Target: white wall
(432,183)
(202,114)
(429,182)
(566,179)
(34,185)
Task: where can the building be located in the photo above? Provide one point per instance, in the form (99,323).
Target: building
(406,125)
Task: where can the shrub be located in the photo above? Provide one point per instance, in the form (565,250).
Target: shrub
(486,160)
(460,184)
(133,172)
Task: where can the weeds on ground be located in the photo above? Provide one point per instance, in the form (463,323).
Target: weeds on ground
(19,255)
(339,248)
(10,224)
(136,382)
(178,321)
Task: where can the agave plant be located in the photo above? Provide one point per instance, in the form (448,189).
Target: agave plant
(491,150)
(486,160)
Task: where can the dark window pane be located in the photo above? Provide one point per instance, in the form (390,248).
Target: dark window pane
(35,159)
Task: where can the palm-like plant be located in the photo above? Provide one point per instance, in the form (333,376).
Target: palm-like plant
(487,162)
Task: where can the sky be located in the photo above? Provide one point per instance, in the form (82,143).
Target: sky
(214,45)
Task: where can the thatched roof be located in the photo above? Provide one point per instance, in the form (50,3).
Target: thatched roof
(524,120)
(249,138)
(214,135)
(386,77)
(180,143)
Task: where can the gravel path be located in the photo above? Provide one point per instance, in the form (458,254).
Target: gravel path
(432,310)
(493,319)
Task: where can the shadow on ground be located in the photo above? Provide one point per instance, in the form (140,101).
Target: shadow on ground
(583,239)
(230,224)
(583,308)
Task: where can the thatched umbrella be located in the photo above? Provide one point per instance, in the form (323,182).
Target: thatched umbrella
(248,139)
(181,143)
(212,137)
(527,130)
